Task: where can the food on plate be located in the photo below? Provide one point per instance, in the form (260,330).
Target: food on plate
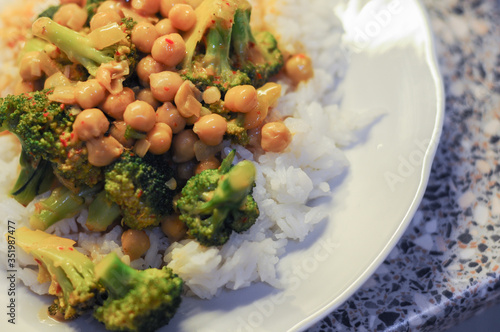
(175,145)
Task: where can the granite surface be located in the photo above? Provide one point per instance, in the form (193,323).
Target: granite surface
(445,268)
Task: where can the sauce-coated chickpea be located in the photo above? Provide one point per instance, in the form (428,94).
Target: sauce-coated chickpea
(183,146)
(167,5)
(165,85)
(148,66)
(169,49)
(210,163)
(30,68)
(147,96)
(135,243)
(78,2)
(168,113)
(211,95)
(173,228)
(71,15)
(89,93)
(275,137)
(182,17)
(146,7)
(241,98)
(299,68)
(140,116)
(160,138)
(164,27)
(115,6)
(114,105)
(210,129)
(90,123)
(104,18)
(144,35)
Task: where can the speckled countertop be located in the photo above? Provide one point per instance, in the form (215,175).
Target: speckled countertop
(445,268)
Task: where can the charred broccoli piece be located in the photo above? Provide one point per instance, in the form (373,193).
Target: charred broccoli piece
(137,300)
(44,129)
(141,187)
(213,203)
(221,50)
(71,273)
(80,49)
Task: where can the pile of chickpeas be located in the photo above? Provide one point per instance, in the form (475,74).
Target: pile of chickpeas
(171,112)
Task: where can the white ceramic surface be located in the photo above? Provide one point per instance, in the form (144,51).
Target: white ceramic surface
(392,69)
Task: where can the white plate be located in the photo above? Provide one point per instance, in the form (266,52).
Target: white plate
(393,69)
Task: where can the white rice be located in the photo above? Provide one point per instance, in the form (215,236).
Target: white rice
(285,183)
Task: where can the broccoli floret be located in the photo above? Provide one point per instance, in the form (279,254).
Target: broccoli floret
(91,6)
(138,300)
(50,11)
(222,51)
(79,49)
(70,272)
(62,203)
(44,129)
(216,202)
(102,213)
(35,178)
(141,187)
(236,130)
(257,55)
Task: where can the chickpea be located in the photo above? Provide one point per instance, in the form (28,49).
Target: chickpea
(114,105)
(160,138)
(58,79)
(167,5)
(140,116)
(72,16)
(117,130)
(183,146)
(211,95)
(187,99)
(24,87)
(182,17)
(30,67)
(104,18)
(78,2)
(89,93)
(168,113)
(173,228)
(164,27)
(135,243)
(299,68)
(211,129)
(275,137)
(254,136)
(90,123)
(147,96)
(148,66)
(115,6)
(256,117)
(211,163)
(103,151)
(143,36)
(186,170)
(146,7)
(169,49)
(165,85)
(241,98)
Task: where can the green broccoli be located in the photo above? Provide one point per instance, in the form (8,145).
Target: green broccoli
(102,213)
(62,203)
(216,202)
(35,177)
(44,129)
(79,49)
(221,50)
(70,272)
(141,187)
(138,300)
(257,55)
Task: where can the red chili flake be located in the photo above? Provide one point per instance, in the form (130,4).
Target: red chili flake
(70,248)
(62,106)
(60,248)
(213,21)
(166,88)
(231,21)
(259,76)
(72,135)
(234,71)
(38,261)
(63,141)
(300,56)
(139,194)
(117,53)
(46,114)
(170,41)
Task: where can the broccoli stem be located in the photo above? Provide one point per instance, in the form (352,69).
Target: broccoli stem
(242,36)
(62,203)
(77,47)
(102,213)
(116,276)
(34,179)
(218,47)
